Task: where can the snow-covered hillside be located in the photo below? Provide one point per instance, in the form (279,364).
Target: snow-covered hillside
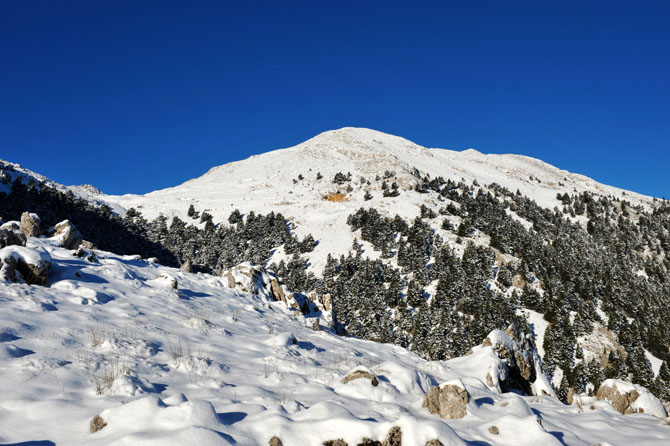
(206,364)
(266,182)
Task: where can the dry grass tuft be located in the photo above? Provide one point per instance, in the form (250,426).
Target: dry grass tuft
(336,197)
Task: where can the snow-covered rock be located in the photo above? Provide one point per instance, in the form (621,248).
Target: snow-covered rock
(9,236)
(67,235)
(630,398)
(521,366)
(257,280)
(449,400)
(20,263)
(30,224)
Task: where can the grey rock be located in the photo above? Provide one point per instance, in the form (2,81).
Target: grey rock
(70,236)
(30,224)
(448,401)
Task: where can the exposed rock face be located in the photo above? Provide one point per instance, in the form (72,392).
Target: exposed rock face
(521,366)
(30,224)
(277,291)
(97,423)
(68,234)
(338,442)
(394,437)
(361,373)
(434,443)
(10,237)
(274,441)
(630,398)
(257,280)
(33,265)
(448,401)
(327,302)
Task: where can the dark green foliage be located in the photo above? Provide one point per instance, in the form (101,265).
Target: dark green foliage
(341,178)
(235,217)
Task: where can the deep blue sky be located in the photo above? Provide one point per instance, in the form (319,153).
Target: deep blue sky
(134,96)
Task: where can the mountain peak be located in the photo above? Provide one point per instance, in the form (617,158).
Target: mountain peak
(359,136)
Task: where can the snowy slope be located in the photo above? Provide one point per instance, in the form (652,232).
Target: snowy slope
(205,364)
(265,183)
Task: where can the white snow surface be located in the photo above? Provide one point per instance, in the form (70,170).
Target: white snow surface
(208,365)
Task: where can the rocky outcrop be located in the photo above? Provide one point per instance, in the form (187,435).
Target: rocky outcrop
(448,400)
(19,263)
(67,233)
(257,280)
(30,224)
(274,441)
(629,398)
(361,373)
(521,366)
(434,442)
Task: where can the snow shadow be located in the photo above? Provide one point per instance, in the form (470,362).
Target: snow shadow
(189,294)
(229,418)
(306,345)
(31,443)
(8,337)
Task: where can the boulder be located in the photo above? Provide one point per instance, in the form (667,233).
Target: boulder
(30,224)
(630,398)
(10,237)
(274,441)
(97,423)
(434,442)
(33,265)
(68,234)
(448,401)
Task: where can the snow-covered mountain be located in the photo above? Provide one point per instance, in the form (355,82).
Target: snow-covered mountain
(576,271)
(265,182)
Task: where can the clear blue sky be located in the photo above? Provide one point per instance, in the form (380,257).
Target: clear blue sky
(134,96)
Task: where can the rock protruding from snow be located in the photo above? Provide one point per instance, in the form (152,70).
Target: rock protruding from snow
(522,364)
(257,280)
(361,372)
(30,224)
(22,264)
(10,237)
(630,398)
(97,423)
(448,400)
(67,234)
(394,437)
(165,280)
